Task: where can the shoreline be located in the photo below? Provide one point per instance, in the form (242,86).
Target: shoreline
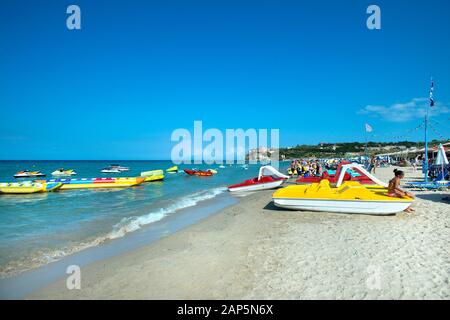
(160,253)
(19,285)
(253,250)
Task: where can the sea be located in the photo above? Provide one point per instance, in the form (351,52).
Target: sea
(41,228)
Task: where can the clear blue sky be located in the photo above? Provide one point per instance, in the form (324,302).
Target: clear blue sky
(139,69)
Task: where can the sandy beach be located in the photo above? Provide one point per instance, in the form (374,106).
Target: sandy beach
(253,250)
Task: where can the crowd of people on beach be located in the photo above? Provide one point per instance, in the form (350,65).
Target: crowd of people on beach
(308,167)
(305,168)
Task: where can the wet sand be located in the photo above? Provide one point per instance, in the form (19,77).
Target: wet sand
(253,250)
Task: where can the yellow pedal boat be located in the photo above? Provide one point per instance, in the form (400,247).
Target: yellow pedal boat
(350,197)
(153,175)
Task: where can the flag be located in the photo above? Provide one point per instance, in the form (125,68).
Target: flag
(431,93)
(368,128)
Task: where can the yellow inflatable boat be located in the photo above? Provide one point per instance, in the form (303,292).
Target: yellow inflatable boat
(154,175)
(28,187)
(173,169)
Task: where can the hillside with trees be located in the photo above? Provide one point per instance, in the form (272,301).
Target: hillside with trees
(326,150)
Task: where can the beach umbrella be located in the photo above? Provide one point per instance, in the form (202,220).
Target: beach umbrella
(441,159)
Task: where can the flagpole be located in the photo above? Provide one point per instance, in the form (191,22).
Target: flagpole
(365,148)
(367,129)
(425,164)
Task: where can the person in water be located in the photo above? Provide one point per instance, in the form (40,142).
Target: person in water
(394,188)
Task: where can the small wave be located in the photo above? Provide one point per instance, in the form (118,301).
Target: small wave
(126,225)
(131,224)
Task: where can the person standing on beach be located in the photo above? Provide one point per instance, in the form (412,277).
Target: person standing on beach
(374,164)
(298,167)
(319,169)
(293,168)
(395,191)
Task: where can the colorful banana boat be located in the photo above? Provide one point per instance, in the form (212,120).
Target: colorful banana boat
(153,175)
(91,183)
(28,187)
(350,197)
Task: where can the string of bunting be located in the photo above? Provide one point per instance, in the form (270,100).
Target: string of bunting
(437,132)
(401,136)
(438,123)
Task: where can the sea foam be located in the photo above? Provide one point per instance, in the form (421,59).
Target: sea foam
(131,224)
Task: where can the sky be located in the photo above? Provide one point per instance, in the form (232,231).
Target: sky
(137,70)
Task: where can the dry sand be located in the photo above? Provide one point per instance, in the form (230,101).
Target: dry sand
(254,251)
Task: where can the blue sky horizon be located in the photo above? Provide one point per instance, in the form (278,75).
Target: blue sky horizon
(137,70)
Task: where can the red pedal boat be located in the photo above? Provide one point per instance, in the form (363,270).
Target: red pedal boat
(199,173)
(262,182)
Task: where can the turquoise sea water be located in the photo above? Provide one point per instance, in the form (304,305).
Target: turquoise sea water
(40,228)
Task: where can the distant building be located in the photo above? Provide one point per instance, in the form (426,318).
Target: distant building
(261,154)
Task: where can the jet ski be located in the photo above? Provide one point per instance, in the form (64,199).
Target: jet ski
(63,172)
(28,174)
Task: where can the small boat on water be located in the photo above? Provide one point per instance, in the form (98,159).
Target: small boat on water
(110,170)
(262,181)
(350,197)
(119,167)
(199,173)
(28,187)
(173,169)
(28,174)
(63,172)
(153,175)
(91,183)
